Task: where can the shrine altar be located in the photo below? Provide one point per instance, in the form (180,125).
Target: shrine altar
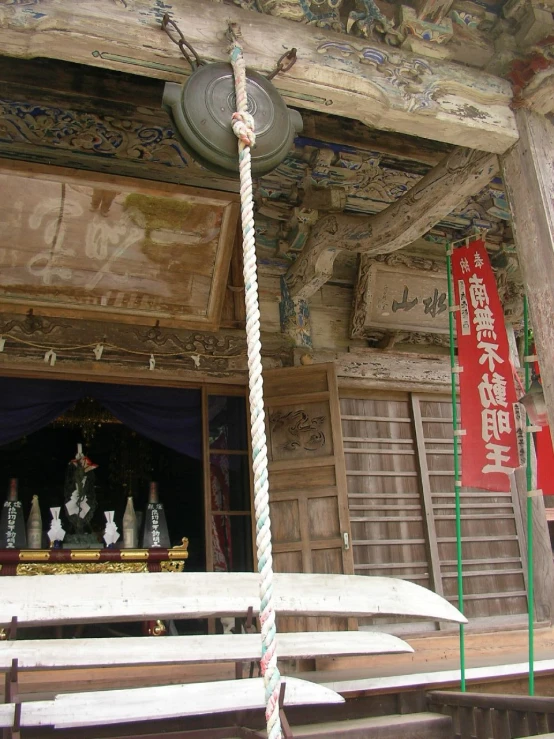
(56,561)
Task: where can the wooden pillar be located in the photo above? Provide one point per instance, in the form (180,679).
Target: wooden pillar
(528,172)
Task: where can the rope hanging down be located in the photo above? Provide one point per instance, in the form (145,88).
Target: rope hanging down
(243,127)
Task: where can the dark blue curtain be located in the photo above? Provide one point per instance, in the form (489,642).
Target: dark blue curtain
(170,416)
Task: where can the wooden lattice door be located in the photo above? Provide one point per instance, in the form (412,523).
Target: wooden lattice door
(399,466)
(494,564)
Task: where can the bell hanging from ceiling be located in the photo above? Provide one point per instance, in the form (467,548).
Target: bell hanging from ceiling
(535,405)
(201,111)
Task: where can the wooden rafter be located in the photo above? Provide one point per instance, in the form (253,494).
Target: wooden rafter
(387,88)
(460,175)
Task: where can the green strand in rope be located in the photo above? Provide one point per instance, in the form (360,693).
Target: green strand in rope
(457,479)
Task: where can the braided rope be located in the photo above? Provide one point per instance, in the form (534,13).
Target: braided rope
(243,127)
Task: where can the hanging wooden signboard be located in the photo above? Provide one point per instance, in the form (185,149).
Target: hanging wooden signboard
(487,392)
(105,248)
(397,292)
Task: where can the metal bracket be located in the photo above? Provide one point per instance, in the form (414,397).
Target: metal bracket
(284,63)
(192,58)
(290,57)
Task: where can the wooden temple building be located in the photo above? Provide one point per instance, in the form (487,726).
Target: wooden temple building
(122,303)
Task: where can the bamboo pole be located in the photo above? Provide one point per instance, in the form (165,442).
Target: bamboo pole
(529,471)
(457,476)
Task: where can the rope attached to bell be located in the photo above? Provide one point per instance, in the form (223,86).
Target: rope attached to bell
(243,127)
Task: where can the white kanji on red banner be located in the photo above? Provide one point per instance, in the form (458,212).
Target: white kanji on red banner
(487,392)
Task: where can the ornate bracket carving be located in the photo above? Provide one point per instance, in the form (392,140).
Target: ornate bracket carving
(302,431)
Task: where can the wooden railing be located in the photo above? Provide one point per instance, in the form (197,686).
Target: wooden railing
(492,716)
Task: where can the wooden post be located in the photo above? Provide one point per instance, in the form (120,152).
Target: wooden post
(543,568)
(528,174)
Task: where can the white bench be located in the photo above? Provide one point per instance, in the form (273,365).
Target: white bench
(73,599)
(72,710)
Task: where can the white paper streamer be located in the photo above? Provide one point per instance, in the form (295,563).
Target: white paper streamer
(152,363)
(50,357)
(98,350)
(56,532)
(2,343)
(111,534)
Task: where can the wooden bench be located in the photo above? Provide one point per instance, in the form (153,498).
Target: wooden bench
(104,598)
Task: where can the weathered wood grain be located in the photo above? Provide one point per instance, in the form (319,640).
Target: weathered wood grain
(115,597)
(529,182)
(309,508)
(493,571)
(543,567)
(383,87)
(538,96)
(460,174)
(101,652)
(383,493)
(373,369)
(167,701)
(114,248)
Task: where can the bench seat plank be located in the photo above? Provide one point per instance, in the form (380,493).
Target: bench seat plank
(143,596)
(161,702)
(114,652)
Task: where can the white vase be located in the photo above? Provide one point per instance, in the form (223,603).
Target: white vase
(129,526)
(34,526)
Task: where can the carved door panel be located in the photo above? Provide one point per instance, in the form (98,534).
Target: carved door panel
(307,478)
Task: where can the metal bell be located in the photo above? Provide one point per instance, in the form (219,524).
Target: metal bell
(201,111)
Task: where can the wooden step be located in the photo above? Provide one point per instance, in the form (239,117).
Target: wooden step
(144,596)
(171,650)
(409,726)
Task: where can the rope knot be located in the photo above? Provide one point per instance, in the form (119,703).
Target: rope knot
(243,128)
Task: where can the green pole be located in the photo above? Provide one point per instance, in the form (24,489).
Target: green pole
(530,587)
(457,479)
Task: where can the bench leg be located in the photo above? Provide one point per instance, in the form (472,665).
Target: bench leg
(285,726)
(10,696)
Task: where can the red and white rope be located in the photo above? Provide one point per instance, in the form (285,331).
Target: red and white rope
(243,127)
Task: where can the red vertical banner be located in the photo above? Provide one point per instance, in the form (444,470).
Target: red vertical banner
(487,392)
(544,450)
(545,461)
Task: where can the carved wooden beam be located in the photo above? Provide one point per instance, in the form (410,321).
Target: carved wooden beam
(382,86)
(538,96)
(373,369)
(461,174)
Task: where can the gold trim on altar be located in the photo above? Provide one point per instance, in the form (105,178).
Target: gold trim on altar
(81,555)
(79,568)
(134,554)
(31,555)
(173,566)
(180,551)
